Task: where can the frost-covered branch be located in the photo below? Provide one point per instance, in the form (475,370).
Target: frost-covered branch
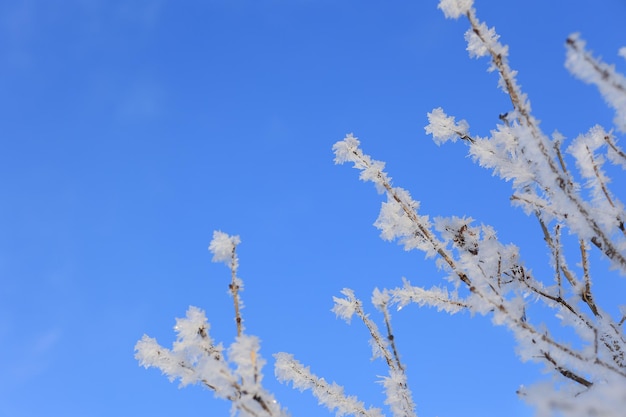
(234,375)
(332,396)
(438,297)
(566,188)
(398,394)
(381,300)
(224,249)
(494,277)
(520,151)
(610,83)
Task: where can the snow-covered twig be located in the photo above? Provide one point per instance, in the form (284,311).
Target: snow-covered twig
(224,249)
(196,359)
(332,396)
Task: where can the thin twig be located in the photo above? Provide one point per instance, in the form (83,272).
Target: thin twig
(234,289)
(606,76)
(390,336)
(566,372)
(587,295)
(375,333)
(596,172)
(557,257)
(613,145)
(569,275)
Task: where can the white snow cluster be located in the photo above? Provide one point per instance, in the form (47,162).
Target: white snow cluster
(222,246)
(453,9)
(345,307)
(444,128)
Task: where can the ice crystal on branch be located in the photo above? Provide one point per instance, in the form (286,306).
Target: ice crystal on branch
(444,127)
(453,9)
(223,247)
(345,307)
(332,396)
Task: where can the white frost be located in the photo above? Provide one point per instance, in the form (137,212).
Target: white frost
(444,127)
(612,85)
(222,246)
(453,9)
(330,395)
(345,307)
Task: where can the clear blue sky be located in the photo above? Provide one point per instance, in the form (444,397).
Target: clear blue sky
(130,130)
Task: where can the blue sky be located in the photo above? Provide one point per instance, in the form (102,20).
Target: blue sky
(131,130)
